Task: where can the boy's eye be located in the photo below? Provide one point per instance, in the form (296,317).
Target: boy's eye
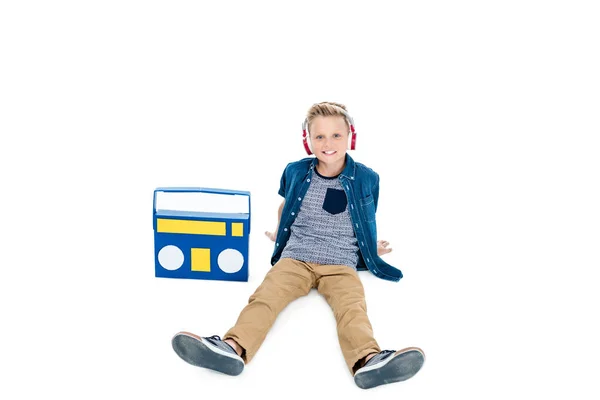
(337,135)
(319,137)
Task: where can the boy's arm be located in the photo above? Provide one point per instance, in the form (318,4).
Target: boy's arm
(273,235)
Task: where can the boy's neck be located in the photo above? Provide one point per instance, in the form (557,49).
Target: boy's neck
(328,170)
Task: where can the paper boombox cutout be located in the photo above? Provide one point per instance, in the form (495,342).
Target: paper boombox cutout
(201,233)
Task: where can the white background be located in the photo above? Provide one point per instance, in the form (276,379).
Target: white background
(481,119)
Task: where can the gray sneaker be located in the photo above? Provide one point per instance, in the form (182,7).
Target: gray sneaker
(207,352)
(390,366)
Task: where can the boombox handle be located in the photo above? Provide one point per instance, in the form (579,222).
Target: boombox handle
(200,190)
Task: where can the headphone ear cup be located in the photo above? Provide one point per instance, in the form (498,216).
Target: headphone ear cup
(306,146)
(352,141)
(305,137)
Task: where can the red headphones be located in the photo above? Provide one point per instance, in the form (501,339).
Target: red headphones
(305,135)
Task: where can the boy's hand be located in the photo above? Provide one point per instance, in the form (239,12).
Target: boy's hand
(382,247)
(271,235)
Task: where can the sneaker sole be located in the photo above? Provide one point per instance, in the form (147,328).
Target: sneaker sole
(198,352)
(405,364)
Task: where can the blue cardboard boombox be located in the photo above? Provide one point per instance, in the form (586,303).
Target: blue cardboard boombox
(201,233)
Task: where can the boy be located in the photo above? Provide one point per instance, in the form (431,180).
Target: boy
(326,232)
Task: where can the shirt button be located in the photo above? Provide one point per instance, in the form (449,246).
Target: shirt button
(362,243)
(352,205)
(308,180)
(277,244)
(355,224)
(367,258)
(347,187)
(293,213)
(299,198)
(285,229)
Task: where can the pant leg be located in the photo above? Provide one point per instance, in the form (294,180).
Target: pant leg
(343,290)
(287,280)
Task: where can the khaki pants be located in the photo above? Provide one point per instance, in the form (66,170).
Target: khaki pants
(290,279)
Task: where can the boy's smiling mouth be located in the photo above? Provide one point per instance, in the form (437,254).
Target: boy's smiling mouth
(330,152)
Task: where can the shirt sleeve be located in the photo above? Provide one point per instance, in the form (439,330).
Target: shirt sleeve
(282,184)
(375,191)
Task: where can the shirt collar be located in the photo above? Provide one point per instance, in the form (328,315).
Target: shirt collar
(349,170)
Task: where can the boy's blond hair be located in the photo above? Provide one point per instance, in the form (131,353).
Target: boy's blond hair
(326,109)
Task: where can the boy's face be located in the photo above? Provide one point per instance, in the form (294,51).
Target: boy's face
(329,139)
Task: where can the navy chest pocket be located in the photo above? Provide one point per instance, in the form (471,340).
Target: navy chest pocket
(367,206)
(335,201)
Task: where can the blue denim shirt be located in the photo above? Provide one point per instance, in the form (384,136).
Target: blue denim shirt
(361,185)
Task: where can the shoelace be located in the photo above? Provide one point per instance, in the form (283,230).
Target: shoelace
(382,355)
(214,338)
